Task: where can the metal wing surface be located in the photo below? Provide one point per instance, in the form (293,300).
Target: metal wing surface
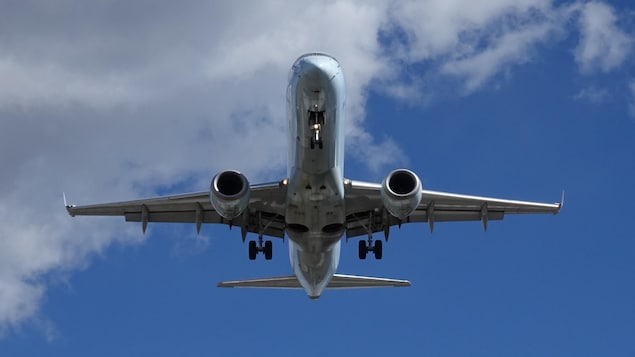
(339,281)
(364,209)
(265,211)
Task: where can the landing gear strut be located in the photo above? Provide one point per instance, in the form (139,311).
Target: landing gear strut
(377,248)
(261,245)
(316,120)
(316,139)
(368,246)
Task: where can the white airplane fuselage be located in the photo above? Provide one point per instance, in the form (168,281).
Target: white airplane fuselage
(315,213)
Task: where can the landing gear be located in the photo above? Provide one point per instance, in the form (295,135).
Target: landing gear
(376,248)
(255,248)
(260,246)
(268,250)
(363,249)
(317,142)
(316,120)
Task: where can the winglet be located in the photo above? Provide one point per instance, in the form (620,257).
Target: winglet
(561,201)
(68,207)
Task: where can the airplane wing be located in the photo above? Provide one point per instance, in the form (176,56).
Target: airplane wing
(264,214)
(365,209)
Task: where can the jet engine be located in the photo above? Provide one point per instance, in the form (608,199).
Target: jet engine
(229,194)
(401,193)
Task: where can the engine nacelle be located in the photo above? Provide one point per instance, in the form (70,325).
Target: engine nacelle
(401,193)
(229,194)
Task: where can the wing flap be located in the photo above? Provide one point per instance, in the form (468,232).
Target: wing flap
(175,216)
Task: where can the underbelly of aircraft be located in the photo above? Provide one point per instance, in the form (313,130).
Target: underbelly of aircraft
(315,219)
(315,209)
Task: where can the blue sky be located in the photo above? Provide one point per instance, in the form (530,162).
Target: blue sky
(510,99)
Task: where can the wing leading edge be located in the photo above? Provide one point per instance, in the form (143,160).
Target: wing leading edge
(363,202)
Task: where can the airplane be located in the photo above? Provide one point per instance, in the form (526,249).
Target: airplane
(315,206)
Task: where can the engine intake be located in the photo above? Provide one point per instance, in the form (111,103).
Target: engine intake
(401,193)
(229,194)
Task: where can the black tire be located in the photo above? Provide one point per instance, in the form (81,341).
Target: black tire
(378,249)
(268,250)
(253,250)
(362,250)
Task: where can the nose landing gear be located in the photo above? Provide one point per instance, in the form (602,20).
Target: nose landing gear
(316,120)
(316,139)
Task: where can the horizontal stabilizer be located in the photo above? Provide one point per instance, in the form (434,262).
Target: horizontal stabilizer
(339,281)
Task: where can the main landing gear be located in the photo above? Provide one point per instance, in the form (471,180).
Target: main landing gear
(365,247)
(255,248)
(260,245)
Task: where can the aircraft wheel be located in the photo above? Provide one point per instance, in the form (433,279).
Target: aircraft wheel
(268,250)
(378,249)
(253,250)
(362,249)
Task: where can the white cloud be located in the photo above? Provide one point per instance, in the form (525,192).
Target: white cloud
(472,41)
(27,85)
(455,27)
(603,46)
(631,104)
(592,95)
(511,48)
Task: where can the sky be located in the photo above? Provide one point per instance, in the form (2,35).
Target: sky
(117,100)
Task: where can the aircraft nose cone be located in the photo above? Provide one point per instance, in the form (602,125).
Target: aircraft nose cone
(316,66)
